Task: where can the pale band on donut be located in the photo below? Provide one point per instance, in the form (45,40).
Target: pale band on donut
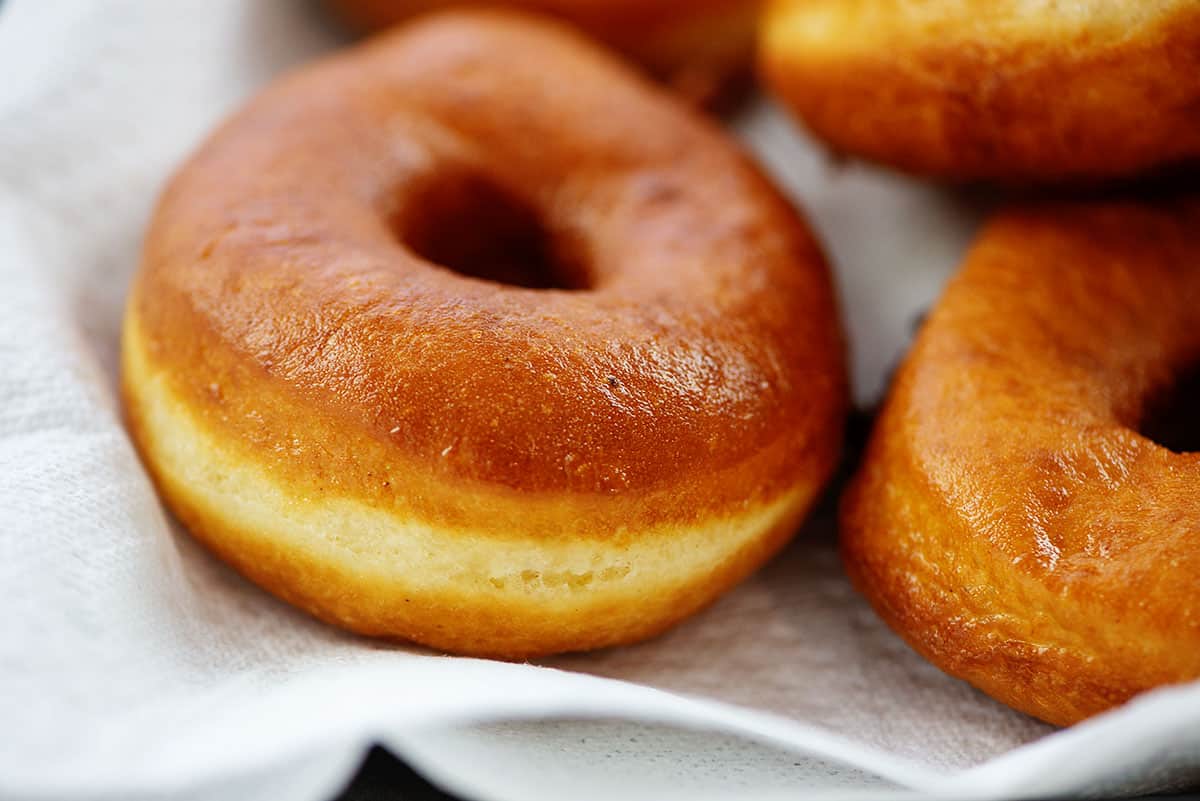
(413,451)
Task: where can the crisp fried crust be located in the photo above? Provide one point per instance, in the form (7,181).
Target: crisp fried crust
(482,467)
(1012,90)
(1009,520)
(703,48)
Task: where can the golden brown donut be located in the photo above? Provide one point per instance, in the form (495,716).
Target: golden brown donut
(1014,90)
(1010,520)
(423,452)
(701,47)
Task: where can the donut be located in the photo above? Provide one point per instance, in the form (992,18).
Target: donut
(1018,91)
(471,337)
(703,48)
(1018,517)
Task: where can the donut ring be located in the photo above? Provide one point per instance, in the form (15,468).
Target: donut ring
(702,48)
(1009,520)
(1028,91)
(486,468)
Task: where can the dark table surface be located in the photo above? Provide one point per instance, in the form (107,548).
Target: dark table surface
(382,777)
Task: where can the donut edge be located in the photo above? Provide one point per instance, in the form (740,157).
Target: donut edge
(536,608)
(1017,111)
(1062,646)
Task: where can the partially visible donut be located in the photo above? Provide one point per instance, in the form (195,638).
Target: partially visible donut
(576,458)
(703,48)
(1011,519)
(1012,90)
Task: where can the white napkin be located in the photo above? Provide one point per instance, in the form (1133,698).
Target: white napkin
(134,666)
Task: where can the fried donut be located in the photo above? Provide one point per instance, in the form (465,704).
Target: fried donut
(471,337)
(1011,520)
(703,48)
(1023,91)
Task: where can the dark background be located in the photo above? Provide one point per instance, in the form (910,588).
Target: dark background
(382,777)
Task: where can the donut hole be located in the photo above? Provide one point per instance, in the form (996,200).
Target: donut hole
(1172,417)
(469,224)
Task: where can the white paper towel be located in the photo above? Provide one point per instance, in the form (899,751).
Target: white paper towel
(134,666)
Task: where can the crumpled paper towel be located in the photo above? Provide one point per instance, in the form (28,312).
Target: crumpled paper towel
(134,666)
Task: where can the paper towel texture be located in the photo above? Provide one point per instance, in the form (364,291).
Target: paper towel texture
(132,665)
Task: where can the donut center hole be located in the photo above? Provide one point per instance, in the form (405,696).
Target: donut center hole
(476,228)
(1172,418)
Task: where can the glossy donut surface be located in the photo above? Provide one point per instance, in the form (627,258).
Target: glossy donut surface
(621,400)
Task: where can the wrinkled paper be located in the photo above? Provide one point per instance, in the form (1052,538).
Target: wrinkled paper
(134,666)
